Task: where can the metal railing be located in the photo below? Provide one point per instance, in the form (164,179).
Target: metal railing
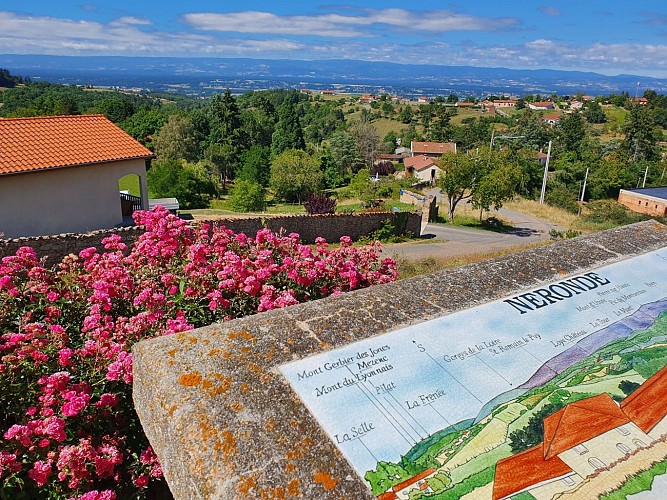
(136,201)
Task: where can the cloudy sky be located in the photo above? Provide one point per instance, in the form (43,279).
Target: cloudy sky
(608,36)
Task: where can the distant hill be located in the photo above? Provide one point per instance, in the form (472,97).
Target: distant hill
(7,80)
(197,74)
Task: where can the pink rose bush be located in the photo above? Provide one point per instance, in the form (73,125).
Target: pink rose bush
(68,426)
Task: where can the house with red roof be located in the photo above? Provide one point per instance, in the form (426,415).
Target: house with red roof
(59,174)
(432,149)
(543,105)
(418,482)
(423,167)
(551,119)
(583,438)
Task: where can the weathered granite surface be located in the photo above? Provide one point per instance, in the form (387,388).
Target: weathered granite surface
(226,424)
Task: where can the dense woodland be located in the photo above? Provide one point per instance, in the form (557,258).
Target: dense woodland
(283,145)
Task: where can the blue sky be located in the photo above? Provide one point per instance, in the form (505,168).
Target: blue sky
(610,37)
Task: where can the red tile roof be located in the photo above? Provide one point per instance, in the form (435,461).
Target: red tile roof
(580,421)
(433,147)
(388,495)
(40,143)
(420,162)
(526,469)
(648,404)
(413,480)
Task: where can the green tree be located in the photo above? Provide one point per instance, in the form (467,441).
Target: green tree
(571,132)
(256,165)
(247,196)
(177,139)
(288,133)
(594,113)
(295,175)
(144,125)
(173,178)
(462,172)
(533,433)
(344,151)
(366,139)
(641,141)
(628,387)
(498,185)
(405,115)
(330,170)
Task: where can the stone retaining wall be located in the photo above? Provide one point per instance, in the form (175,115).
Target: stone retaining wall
(329,227)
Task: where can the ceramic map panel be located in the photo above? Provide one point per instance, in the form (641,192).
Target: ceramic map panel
(455,406)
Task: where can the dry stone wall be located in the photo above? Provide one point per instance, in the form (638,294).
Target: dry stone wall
(329,227)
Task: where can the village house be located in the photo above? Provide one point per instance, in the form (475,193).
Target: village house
(423,167)
(543,105)
(650,201)
(551,119)
(402,490)
(59,174)
(642,101)
(432,149)
(583,438)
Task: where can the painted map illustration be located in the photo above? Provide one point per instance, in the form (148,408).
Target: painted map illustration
(556,392)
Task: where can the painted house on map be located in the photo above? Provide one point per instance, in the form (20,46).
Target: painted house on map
(583,438)
(402,490)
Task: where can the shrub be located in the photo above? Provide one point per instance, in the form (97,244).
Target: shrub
(384,167)
(69,428)
(247,196)
(320,204)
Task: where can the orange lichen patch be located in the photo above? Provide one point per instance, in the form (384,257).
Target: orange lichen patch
(206,341)
(172,352)
(237,407)
(226,354)
(172,410)
(244,387)
(245,350)
(214,352)
(305,444)
(270,424)
(192,340)
(256,369)
(190,379)
(290,467)
(206,385)
(294,424)
(272,493)
(246,484)
(227,445)
(243,335)
(562,271)
(327,482)
(207,430)
(659,227)
(293,488)
(221,388)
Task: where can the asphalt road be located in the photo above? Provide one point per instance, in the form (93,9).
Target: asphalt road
(446,241)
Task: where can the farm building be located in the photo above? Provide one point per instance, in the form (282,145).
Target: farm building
(650,201)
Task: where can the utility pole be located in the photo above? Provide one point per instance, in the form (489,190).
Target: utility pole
(583,189)
(546,171)
(645,175)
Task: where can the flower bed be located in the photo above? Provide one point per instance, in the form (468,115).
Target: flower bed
(66,415)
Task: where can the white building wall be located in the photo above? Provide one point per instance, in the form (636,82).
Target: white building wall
(604,448)
(67,200)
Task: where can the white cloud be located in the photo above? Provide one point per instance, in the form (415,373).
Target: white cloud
(550,11)
(345,26)
(132,20)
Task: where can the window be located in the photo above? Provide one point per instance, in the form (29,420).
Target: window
(568,481)
(622,430)
(596,463)
(581,449)
(639,443)
(622,448)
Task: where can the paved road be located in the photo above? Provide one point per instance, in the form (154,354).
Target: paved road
(445,241)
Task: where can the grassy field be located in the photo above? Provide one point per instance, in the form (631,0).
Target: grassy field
(131,184)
